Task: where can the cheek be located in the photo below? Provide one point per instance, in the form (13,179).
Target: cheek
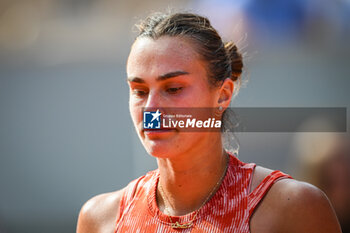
(200,96)
(135,111)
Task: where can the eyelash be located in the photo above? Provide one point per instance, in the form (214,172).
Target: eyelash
(140,93)
(170,90)
(174,90)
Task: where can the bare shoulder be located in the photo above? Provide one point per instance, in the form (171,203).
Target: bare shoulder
(259,174)
(293,206)
(99,213)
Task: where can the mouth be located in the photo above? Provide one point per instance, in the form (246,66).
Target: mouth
(150,132)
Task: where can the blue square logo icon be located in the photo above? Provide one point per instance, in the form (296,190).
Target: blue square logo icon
(151,120)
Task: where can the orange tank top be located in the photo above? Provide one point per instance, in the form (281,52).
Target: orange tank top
(228,210)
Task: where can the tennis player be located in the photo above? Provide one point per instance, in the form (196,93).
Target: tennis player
(179,60)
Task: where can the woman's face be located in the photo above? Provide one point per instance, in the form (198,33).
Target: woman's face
(167,73)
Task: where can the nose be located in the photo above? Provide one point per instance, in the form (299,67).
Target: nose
(153,100)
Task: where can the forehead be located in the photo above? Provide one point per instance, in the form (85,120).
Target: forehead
(162,55)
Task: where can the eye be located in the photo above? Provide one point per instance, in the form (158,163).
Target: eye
(139,93)
(174,90)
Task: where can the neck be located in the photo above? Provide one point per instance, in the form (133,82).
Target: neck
(189,179)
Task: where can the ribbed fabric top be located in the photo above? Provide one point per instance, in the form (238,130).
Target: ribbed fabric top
(228,210)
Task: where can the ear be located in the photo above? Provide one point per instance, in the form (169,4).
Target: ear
(225,93)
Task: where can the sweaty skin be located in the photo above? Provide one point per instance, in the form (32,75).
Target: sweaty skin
(290,206)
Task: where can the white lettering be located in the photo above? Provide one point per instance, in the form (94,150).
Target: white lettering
(218,124)
(190,123)
(181,124)
(199,124)
(206,123)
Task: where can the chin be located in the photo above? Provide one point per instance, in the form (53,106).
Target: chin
(171,145)
(160,144)
(160,149)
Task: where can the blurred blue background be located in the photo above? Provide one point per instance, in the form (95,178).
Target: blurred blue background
(65,130)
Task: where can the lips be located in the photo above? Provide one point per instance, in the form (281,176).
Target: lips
(158,132)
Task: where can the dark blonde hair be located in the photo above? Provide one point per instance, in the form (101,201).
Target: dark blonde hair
(223,59)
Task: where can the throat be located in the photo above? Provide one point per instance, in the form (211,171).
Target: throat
(186,194)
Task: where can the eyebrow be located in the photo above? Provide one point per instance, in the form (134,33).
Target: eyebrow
(159,78)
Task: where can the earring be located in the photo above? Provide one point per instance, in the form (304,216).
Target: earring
(218,112)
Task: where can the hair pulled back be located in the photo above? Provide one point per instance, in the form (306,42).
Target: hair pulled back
(223,59)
